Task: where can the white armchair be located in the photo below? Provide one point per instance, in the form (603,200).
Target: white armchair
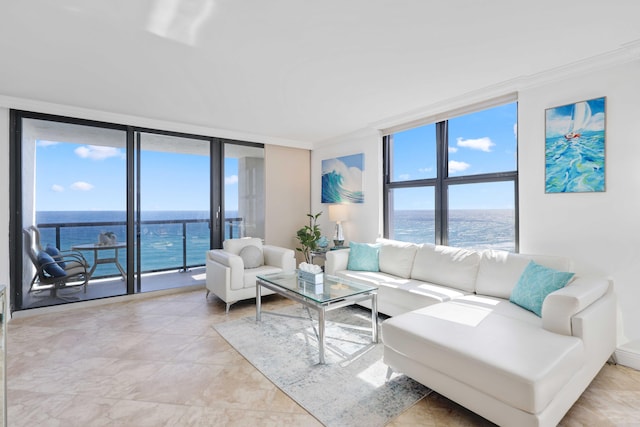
(232,271)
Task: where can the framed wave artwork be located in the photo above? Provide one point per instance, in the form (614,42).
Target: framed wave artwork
(342,179)
(574,147)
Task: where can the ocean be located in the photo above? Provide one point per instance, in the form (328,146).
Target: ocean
(162,243)
(468,228)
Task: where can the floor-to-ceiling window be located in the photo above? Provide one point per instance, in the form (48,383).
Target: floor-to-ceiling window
(141,206)
(73,189)
(454,181)
(173,217)
(243,190)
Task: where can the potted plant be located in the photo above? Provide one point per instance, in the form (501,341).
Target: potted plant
(308,237)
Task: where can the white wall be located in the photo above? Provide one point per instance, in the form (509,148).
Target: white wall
(365,219)
(600,231)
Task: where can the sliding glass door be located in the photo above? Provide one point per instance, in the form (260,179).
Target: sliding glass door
(173,215)
(138,207)
(73,191)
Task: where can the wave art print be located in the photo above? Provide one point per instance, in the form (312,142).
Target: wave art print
(342,179)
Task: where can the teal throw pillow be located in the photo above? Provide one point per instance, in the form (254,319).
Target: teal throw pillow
(49,265)
(535,283)
(363,257)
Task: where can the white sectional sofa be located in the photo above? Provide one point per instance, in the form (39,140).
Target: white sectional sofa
(454,329)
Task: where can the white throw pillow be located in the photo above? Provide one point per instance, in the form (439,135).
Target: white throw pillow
(252,256)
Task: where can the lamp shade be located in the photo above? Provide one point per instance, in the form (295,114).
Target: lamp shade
(338,213)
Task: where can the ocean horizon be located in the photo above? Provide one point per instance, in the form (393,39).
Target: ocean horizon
(162,244)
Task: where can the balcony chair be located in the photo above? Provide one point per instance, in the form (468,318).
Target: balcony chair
(232,270)
(55,269)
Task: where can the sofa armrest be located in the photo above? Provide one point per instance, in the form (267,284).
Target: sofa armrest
(277,256)
(560,306)
(336,260)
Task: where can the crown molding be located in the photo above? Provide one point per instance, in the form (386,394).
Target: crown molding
(628,52)
(143,122)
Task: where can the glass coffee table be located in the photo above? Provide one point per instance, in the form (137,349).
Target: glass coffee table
(333,293)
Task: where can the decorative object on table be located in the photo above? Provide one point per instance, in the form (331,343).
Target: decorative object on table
(107,238)
(323,243)
(308,237)
(575,147)
(338,213)
(310,273)
(342,179)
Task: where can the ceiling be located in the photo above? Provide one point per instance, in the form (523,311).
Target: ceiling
(295,70)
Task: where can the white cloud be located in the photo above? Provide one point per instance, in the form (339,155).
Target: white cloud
(425,170)
(57,188)
(229,180)
(81,186)
(515,130)
(404,177)
(453,149)
(482,144)
(457,166)
(98,152)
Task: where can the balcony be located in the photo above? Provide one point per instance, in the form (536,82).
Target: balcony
(172,255)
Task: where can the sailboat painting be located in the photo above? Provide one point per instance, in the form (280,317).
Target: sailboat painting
(575,147)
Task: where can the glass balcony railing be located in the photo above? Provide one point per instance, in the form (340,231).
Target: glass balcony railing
(164,244)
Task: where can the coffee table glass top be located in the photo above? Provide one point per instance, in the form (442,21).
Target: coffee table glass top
(333,288)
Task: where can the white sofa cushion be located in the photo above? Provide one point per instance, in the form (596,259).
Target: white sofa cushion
(447,266)
(396,257)
(397,295)
(499,271)
(516,362)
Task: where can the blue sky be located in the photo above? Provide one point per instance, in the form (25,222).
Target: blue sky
(85,177)
(482,142)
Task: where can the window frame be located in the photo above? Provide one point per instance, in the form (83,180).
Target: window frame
(443,181)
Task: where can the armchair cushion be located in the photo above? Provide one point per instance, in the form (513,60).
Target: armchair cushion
(236,245)
(49,265)
(252,256)
(56,255)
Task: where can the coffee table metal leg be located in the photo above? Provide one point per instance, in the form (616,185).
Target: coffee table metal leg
(258,300)
(321,334)
(374,318)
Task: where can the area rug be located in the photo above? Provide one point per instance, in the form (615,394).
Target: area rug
(350,389)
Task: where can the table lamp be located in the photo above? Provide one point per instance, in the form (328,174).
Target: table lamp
(338,213)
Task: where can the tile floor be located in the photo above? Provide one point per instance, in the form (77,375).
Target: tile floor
(157,362)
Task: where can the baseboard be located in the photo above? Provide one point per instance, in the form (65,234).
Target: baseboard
(629,355)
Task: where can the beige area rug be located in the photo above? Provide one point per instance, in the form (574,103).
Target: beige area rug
(350,389)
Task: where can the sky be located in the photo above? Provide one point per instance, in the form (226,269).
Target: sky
(481,142)
(72,176)
(80,177)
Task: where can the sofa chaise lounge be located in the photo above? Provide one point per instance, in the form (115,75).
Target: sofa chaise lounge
(454,329)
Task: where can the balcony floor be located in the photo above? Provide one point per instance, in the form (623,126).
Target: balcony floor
(115,286)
